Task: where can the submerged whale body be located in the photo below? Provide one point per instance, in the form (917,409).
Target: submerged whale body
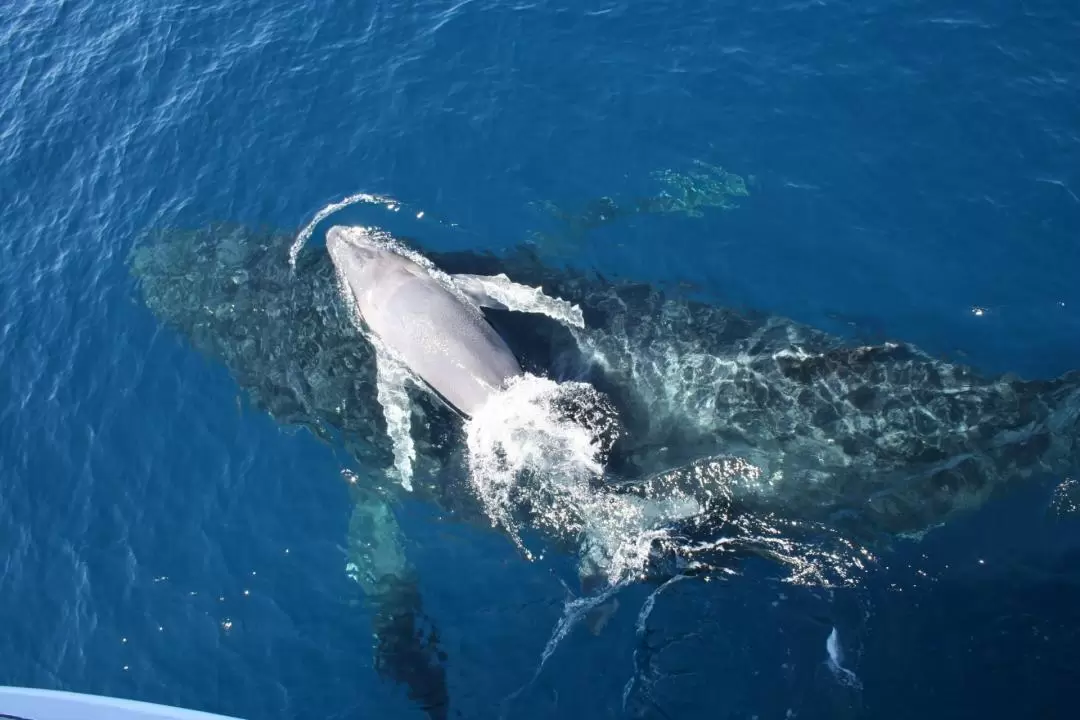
(778,419)
(879,439)
(886,433)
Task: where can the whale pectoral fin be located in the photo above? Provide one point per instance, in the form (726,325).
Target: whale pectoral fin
(502,293)
(474,288)
(390,380)
(406,644)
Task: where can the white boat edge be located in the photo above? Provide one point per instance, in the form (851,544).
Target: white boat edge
(36,704)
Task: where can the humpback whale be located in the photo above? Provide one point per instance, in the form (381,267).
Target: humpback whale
(777,420)
(428,326)
(438,333)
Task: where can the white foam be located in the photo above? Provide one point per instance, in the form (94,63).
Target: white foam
(518,431)
(390,390)
(523,453)
(836,659)
(573,612)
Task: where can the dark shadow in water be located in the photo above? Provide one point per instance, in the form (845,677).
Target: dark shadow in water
(407,646)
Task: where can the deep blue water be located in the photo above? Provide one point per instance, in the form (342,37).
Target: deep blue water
(910,162)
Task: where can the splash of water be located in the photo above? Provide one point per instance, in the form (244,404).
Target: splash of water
(518,431)
(835,661)
(524,453)
(391,377)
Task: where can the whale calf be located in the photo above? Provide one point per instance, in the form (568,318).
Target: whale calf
(431,324)
(440,334)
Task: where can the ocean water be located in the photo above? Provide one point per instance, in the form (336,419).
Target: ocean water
(913,173)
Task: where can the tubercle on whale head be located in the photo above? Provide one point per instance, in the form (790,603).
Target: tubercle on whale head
(355,241)
(355,257)
(335,236)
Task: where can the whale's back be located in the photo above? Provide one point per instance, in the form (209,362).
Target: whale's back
(442,338)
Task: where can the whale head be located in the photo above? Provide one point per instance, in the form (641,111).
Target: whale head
(361,258)
(353,248)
